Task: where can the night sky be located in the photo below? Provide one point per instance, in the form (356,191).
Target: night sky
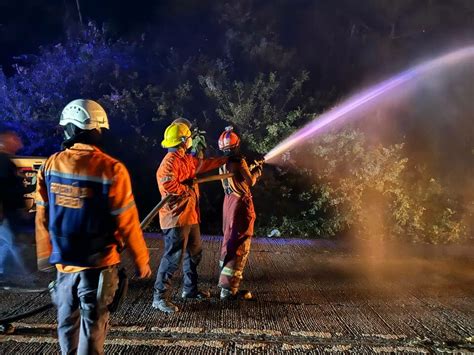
(423,27)
(27,24)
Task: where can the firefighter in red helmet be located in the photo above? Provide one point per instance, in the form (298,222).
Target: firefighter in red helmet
(238,216)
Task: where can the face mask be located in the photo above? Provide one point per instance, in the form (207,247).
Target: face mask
(189,143)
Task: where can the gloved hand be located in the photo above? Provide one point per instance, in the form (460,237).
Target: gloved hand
(189,182)
(190,187)
(257,164)
(258,170)
(44,265)
(173,201)
(143,271)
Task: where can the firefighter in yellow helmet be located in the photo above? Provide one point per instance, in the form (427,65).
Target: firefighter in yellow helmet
(179,219)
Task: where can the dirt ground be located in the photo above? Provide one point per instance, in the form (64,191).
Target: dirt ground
(311,297)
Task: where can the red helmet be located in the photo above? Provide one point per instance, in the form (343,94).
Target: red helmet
(228,139)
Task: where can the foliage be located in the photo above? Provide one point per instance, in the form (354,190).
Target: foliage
(261,110)
(267,70)
(349,185)
(60,73)
(428,212)
(116,73)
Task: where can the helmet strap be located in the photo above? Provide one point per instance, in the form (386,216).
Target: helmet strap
(71,131)
(231,151)
(74,134)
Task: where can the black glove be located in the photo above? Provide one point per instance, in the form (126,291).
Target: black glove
(176,199)
(189,182)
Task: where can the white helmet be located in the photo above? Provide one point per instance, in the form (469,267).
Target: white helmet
(84,114)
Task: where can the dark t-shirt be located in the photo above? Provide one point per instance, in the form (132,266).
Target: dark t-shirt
(11,186)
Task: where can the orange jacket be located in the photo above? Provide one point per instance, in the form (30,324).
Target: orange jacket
(175,168)
(85,203)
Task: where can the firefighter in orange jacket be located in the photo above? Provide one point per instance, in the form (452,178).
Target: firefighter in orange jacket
(85,215)
(238,216)
(179,219)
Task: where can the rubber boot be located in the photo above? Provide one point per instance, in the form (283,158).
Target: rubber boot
(228,295)
(164,305)
(199,295)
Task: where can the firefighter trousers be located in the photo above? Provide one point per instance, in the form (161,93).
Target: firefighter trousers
(238,222)
(182,244)
(82,318)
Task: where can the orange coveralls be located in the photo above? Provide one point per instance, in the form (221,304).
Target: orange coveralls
(238,222)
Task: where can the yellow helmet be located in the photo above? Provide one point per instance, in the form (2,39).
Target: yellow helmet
(176,134)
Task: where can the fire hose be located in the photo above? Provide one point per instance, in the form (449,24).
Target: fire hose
(147,220)
(5,323)
(150,216)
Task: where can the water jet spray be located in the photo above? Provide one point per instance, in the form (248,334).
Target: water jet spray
(366,97)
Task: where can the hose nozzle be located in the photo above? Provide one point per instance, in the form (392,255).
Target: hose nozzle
(257,163)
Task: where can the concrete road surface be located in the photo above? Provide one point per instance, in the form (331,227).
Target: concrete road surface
(311,297)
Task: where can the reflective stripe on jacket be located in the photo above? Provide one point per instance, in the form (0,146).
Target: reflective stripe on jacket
(243,178)
(85,210)
(175,168)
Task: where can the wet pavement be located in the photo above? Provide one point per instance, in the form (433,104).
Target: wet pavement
(311,296)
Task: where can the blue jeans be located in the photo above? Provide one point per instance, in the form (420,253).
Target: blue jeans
(180,243)
(82,318)
(10,250)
